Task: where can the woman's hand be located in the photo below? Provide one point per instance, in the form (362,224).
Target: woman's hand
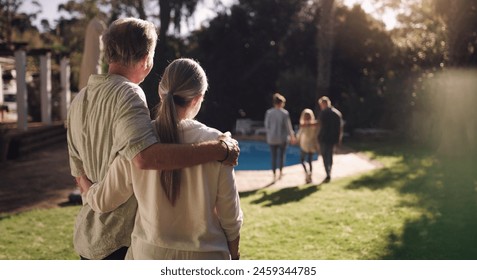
(83,183)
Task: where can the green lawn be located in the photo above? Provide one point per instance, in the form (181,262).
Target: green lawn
(38,234)
(417,207)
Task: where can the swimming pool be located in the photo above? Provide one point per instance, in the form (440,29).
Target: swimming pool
(255,155)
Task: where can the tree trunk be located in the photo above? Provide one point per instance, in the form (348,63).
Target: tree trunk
(140,9)
(151,83)
(453,21)
(325,22)
(165,17)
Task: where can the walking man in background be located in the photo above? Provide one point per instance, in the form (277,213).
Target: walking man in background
(331,132)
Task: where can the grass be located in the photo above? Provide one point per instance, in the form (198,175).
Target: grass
(325,222)
(418,206)
(38,235)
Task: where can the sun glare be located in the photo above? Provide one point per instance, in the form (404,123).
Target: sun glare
(388,17)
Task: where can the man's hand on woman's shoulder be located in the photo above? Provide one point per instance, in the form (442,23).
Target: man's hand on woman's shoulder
(231,149)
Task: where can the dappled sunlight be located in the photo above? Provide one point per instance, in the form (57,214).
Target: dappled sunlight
(446,117)
(447,228)
(388,15)
(439,195)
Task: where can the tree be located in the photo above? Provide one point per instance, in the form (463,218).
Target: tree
(243,52)
(436,38)
(71,31)
(169,12)
(82,10)
(12,21)
(363,59)
(460,18)
(454,89)
(133,8)
(326,12)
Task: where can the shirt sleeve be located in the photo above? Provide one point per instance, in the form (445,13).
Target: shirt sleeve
(267,121)
(76,164)
(133,129)
(316,130)
(228,204)
(115,189)
(289,125)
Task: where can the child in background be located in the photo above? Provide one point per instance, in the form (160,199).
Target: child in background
(308,140)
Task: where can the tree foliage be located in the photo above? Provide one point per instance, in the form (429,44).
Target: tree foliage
(13,23)
(379,78)
(460,18)
(243,53)
(363,56)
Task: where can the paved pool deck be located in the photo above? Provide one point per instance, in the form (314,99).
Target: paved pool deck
(42,179)
(345,163)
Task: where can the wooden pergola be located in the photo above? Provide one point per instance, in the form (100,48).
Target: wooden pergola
(19,53)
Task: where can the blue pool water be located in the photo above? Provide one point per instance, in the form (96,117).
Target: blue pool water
(255,155)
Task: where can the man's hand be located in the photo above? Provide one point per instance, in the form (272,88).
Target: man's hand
(293,139)
(234,248)
(233,149)
(83,184)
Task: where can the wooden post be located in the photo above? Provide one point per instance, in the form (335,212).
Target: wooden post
(65,96)
(1,85)
(22,97)
(1,96)
(45,87)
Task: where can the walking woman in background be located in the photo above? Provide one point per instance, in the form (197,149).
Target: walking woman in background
(279,132)
(192,213)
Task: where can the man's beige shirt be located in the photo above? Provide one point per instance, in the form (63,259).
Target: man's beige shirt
(107,118)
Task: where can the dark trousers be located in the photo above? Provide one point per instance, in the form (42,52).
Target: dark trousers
(327,155)
(119,254)
(278,156)
(309,159)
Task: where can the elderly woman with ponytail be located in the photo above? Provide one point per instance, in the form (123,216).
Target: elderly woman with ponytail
(192,213)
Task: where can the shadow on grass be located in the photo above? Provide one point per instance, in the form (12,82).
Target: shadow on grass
(286,195)
(69,204)
(446,192)
(4,216)
(249,193)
